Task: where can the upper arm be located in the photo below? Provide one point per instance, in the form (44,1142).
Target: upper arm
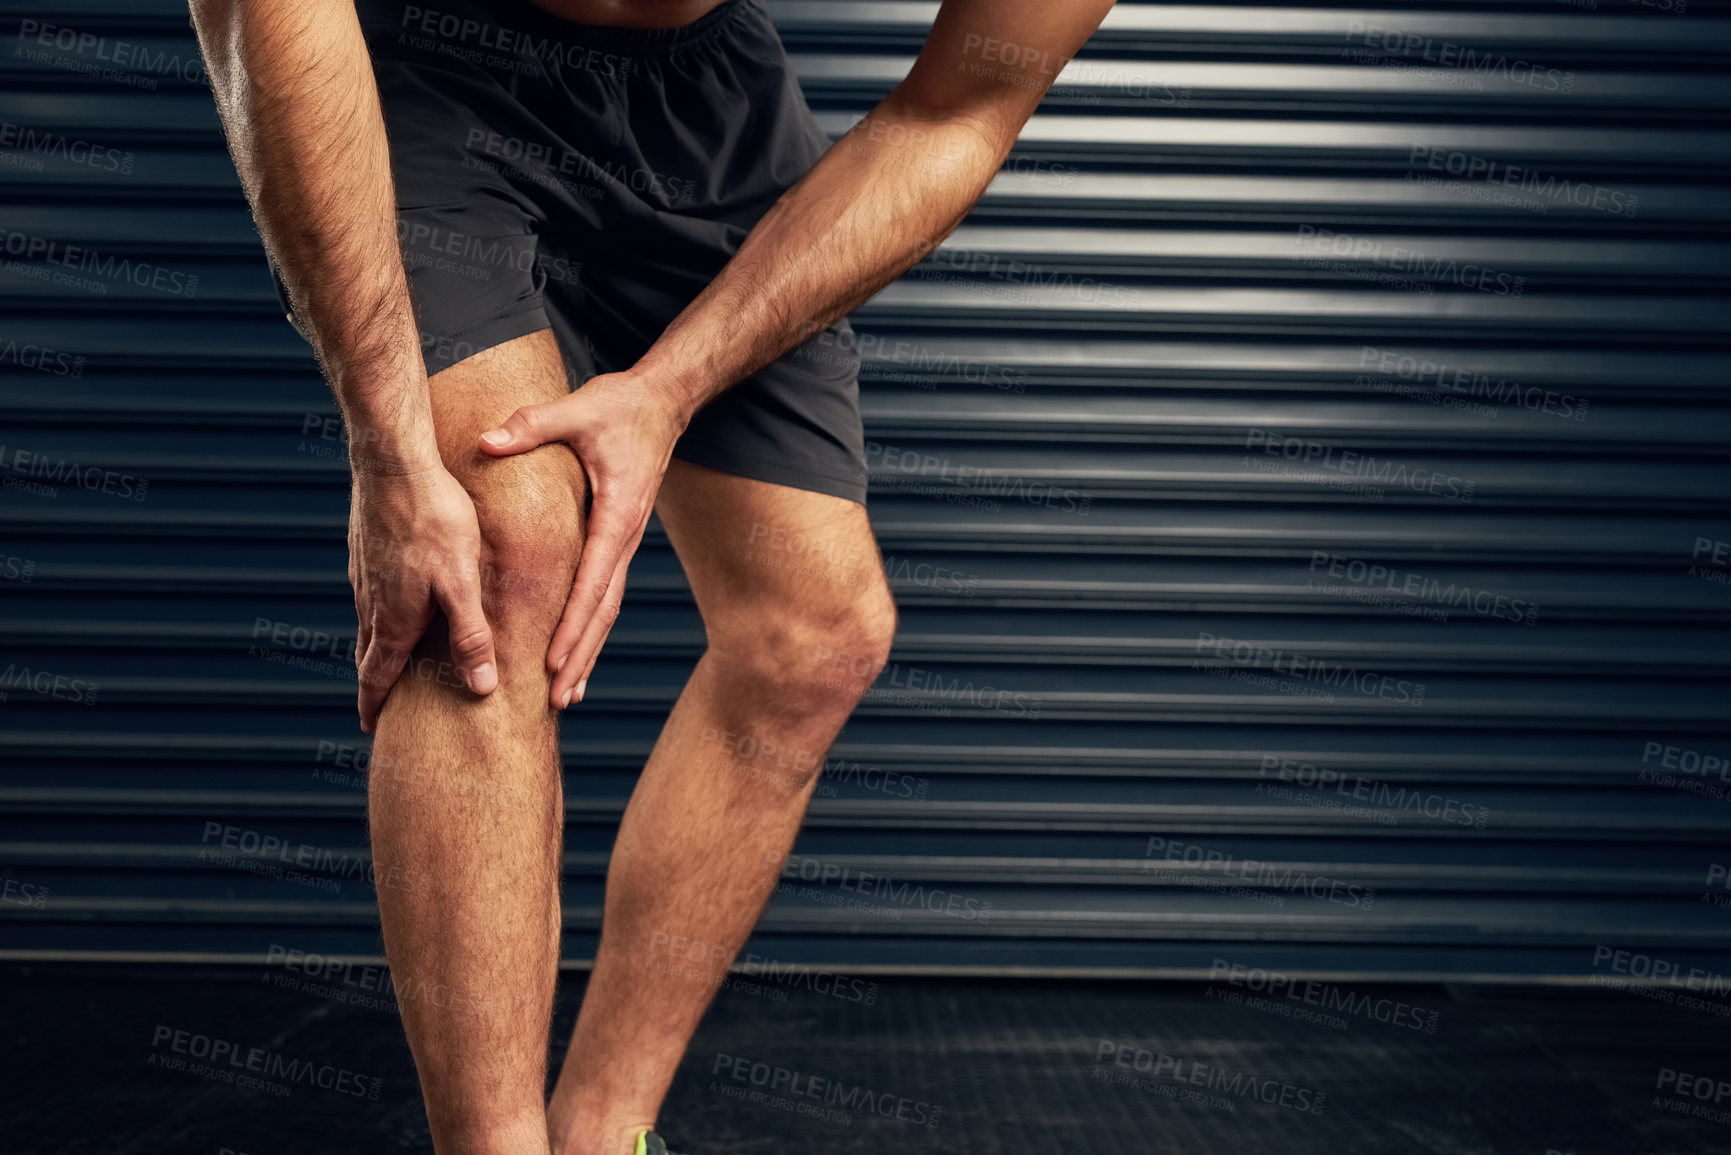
(991,61)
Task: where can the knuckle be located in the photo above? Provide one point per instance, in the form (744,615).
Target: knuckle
(471,641)
(526,420)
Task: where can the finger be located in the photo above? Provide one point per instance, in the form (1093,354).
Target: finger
(533,426)
(363,619)
(611,530)
(363,626)
(378,672)
(363,635)
(471,637)
(588,649)
(582,687)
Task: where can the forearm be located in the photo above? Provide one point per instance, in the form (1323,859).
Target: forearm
(296,93)
(876,203)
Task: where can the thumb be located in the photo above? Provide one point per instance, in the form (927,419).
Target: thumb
(471,637)
(532,426)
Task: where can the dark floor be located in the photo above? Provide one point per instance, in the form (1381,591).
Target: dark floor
(95,1064)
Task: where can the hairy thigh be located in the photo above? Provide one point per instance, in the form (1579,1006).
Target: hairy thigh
(531,507)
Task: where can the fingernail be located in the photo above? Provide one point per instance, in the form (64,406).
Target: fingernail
(496,438)
(483,678)
(581,686)
(566,700)
(563,658)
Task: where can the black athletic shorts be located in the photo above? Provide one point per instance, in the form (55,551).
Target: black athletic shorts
(594,180)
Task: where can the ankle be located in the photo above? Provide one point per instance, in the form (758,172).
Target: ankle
(524,1133)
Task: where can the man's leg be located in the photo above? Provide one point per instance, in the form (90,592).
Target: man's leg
(464,792)
(793,640)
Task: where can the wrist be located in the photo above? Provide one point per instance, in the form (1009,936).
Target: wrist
(380,452)
(671,393)
(368,460)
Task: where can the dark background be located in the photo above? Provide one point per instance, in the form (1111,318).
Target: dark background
(1233,228)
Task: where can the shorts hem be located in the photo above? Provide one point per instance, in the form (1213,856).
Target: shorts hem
(443,352)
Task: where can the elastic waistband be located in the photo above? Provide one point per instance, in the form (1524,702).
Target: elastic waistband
(457,18)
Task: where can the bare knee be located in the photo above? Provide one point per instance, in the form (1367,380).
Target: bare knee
(813,661)
(530,507)
(530,510)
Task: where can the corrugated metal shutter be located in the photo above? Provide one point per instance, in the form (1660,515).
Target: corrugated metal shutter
(1303,478)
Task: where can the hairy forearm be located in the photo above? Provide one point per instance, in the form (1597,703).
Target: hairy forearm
(296,93)
(876,203)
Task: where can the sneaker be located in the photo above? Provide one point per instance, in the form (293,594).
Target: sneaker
(649,1143)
